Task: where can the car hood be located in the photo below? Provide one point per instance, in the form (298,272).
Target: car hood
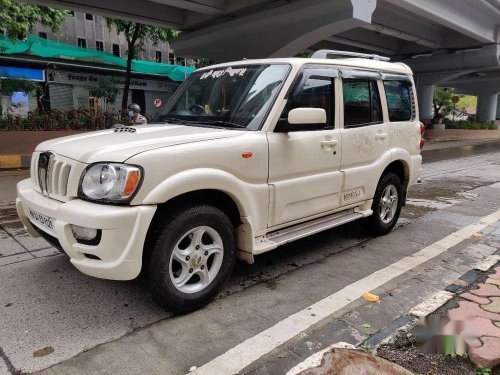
(118,146)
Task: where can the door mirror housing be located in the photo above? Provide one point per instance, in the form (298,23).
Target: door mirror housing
(305,116)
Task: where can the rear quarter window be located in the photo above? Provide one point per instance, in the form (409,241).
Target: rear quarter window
(399,100)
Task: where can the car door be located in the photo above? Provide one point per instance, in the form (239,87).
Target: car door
(365,138)
(304,160)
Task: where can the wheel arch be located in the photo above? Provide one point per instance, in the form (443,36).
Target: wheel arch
(401,169)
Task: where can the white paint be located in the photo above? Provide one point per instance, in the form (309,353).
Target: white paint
(245,353)
(487,263)
(428,203)
(432,304)
(315,359)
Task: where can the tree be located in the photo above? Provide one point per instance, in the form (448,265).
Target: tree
(442,103)
(136,35)
(106,90)
(18,19)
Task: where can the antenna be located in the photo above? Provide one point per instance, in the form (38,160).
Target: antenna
(324,53)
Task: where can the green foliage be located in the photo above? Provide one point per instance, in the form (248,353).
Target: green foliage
(442,102)
(75,119)
(203,62)
(18,19)
(367,348)
(106,90)
(467,101)
(463,124)
(304,54)
(481,370)
(11,85)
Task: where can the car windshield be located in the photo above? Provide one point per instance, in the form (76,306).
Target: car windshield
(230,97)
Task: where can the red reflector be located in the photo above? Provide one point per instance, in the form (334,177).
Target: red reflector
(246,154)
(422,143)
(422,129)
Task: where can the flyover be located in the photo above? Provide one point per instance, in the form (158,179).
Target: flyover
(445,42)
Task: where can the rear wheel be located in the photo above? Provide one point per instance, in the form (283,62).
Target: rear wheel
(192,258)
(386,205)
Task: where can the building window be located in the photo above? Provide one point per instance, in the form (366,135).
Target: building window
(42,34)
(158,56)
(89,17)
(171,58)
(116,49)
(71,13)
(180,61)
(82,43)
(99,45)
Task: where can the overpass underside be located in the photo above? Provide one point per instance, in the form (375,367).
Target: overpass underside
(447,42)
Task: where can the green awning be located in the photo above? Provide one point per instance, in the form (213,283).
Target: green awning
(41,47)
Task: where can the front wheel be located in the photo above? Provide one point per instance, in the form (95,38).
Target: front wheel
(386,205)
(192,258)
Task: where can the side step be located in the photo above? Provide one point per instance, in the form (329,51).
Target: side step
(280,237)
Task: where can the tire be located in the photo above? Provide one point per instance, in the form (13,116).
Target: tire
(195,246)
(381,221)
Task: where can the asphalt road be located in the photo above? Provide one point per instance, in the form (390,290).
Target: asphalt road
(46,303)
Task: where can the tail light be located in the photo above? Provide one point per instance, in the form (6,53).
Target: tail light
(422,132)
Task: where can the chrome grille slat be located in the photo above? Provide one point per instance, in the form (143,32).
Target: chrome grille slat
(58,171)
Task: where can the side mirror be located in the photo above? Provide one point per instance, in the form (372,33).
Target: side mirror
(304,116)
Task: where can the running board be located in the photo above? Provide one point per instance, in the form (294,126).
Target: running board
(280,237)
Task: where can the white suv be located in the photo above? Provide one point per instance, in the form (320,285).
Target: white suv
(247,156)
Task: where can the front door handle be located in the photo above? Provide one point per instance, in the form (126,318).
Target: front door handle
(329,143)
(381,135)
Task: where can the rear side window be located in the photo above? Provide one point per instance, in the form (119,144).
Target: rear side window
(361,103)
(399,103)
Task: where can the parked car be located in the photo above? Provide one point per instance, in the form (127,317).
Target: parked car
(247,156)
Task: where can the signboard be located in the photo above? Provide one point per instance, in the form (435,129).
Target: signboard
(26,73)
(455,99)
(157,102)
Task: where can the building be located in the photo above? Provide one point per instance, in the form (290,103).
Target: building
(88,30)
(68,65)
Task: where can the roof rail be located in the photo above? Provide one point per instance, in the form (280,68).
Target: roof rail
(324,53)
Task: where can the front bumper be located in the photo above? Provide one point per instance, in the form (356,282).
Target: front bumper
(118,256)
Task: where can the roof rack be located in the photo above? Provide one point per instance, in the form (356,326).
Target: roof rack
(324,53)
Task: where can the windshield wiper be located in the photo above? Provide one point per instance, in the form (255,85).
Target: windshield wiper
(224,123)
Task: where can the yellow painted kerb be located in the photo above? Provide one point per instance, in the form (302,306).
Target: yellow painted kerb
(10,161)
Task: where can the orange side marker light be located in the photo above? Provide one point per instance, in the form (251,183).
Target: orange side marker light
(246,154)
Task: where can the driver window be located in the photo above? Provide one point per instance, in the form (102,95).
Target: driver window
(315,90)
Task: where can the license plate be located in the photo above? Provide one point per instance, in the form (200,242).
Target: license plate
(43,221)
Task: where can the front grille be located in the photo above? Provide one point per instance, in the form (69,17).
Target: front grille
(51,181)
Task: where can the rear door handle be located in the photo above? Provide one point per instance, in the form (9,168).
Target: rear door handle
(329,143)
(381,135)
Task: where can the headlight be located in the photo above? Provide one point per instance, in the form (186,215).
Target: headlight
(110,182)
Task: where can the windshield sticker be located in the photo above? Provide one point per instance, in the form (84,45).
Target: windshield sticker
(219,73)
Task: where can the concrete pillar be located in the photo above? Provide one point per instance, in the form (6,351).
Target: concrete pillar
(425,94)
(498,108)
(487,107)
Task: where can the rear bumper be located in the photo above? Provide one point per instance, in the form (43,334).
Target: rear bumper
(124,230)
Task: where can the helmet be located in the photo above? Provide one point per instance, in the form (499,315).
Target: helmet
(134,107)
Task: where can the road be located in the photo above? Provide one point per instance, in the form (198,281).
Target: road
(108,327)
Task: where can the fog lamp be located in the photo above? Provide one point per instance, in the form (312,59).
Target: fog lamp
(87,236)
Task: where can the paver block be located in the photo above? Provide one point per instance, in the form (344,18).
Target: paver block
(483,327)
(493,281)
(473,298)
(496,275)
(494,306)
(486,290)
(487,355)
(469,310)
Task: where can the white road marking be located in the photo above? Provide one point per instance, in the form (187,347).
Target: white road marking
(250,350)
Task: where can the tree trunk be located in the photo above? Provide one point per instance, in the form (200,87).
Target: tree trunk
(130,57)
(126,88)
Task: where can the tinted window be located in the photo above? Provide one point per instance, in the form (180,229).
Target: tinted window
(315,90)
(361,102)
(398,100)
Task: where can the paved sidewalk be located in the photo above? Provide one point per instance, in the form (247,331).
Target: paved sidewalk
(479,312)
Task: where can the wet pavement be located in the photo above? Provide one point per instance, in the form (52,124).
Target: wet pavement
(49,312)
